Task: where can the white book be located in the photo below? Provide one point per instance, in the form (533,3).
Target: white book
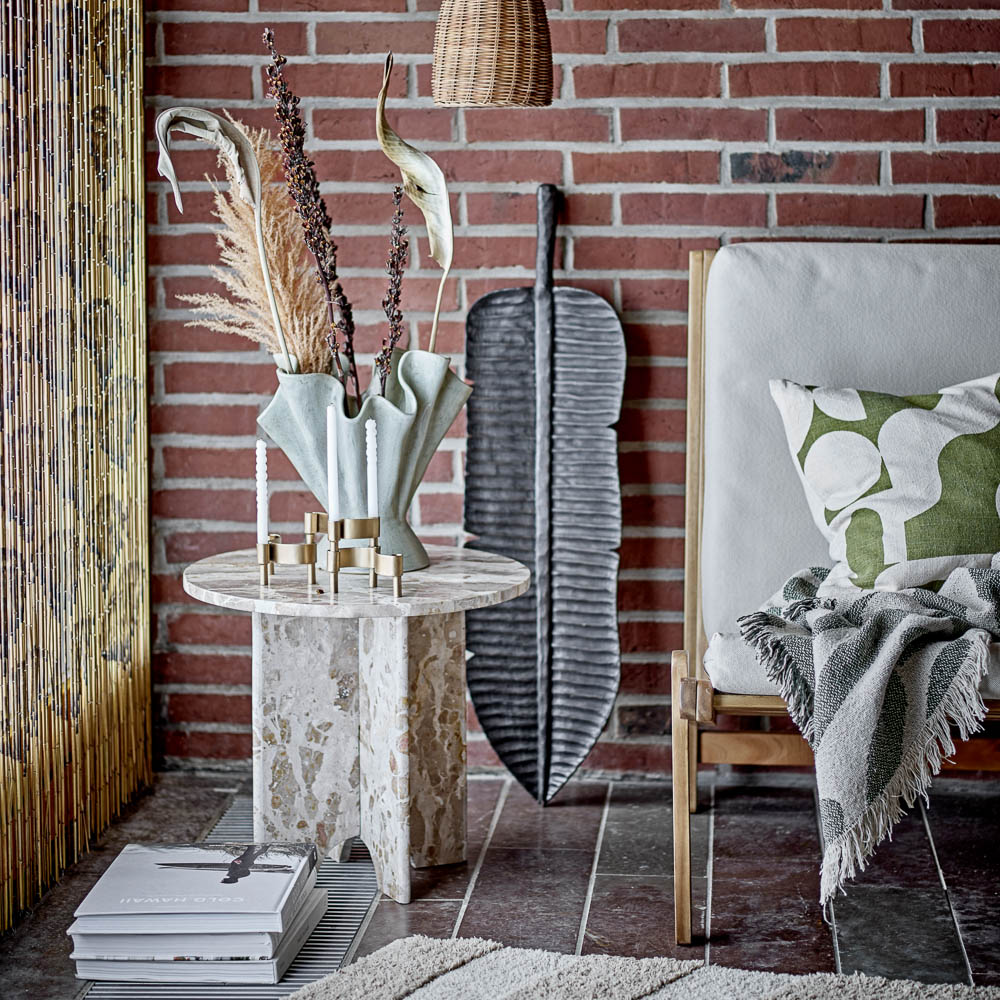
(221,945)
(198,970)
(196,888)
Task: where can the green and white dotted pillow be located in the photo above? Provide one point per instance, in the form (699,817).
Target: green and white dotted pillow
(905,488)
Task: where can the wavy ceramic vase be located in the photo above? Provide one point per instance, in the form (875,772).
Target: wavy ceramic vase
(422,399)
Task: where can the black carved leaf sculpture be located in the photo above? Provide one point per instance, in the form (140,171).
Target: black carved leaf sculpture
(541,486)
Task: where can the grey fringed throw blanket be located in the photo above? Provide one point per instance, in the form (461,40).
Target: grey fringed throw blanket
(874,682)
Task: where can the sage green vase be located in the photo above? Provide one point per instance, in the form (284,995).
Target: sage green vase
(422,399)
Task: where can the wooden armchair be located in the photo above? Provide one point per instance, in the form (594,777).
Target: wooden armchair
(901,318)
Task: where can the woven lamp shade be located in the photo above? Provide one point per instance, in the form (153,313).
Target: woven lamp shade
(492,52)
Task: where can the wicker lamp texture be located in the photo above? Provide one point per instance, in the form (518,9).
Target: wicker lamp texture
(492,52)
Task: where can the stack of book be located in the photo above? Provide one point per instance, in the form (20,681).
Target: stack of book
(198,913)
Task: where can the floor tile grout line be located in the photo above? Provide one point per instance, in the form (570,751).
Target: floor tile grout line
(585,915)
(709,869)
(947,893)
(494,820)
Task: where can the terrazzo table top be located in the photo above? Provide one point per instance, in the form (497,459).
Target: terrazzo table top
(456,580)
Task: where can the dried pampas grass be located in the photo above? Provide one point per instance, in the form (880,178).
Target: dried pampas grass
(246,311)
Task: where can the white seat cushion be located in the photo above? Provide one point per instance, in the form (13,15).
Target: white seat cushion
(733,668)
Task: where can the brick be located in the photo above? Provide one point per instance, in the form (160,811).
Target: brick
(576,35)
(796,166)
(168,590)
(647,80)
(359,123)
(199,206)
(967,35)
(676,34)
(597,253)
(195,376)
(208,708)
(898,211)
(966,210)
(650,636)
(332,6)
(230,37)
(178,248)
(202,668)
(441,468)
(652,553)
(808,4)
(450,336)
(694,210)
(187,285)
(650,595)
(848,125)
(946,4)
(668,167)
(290,505)
(206,83)
(184,547)
(944,80)
(644,339)
(739,124)
(210,629)
(365,166)
(231,463)
(199,5)
(440,508)
(176,335)
(205,745)
(655,293)
(645,5)
(945,168)
(500,165)
(419,293)
(651,425)
(215,505)
(844,34)
(968,125)
(655,382)
(648,759)
(346,80)
(186,418)
(359,38)
(538,125)
(497,251)
(506,208)
(653,511)
(645,678)
(816,79)
(643,720)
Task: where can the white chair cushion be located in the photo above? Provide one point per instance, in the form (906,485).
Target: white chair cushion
(733,668)
(881,316)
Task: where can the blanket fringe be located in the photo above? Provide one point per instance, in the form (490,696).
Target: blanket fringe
(758,631)
(962,707)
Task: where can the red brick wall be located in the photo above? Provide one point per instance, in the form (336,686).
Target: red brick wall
(678,124)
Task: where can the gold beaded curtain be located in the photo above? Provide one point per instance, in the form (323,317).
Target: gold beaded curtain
(74,602)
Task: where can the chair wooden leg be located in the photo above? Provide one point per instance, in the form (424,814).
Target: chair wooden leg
(680,749)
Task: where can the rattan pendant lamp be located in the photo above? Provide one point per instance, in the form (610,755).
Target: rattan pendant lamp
(492,53)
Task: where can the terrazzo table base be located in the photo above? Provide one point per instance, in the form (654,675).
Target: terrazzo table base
(359,703)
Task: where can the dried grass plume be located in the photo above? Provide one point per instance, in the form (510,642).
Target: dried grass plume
(246,310)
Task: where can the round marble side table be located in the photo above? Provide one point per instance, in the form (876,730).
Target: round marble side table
(359,702)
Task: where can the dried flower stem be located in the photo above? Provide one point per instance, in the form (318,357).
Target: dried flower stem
(316,222)
(398,249)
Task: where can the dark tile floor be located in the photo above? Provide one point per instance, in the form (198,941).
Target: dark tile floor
(591,873)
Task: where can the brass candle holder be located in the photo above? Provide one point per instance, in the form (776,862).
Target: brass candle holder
(275,552)
(367,557)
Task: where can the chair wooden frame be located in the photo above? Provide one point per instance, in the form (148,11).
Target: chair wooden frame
(694,702)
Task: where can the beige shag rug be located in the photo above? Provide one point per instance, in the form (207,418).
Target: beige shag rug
(472,969)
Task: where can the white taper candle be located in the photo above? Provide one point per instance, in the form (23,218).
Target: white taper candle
(262,512)
(371,459)
(332,470)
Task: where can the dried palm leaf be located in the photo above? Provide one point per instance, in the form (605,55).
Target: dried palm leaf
(424,184)
(234,145)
